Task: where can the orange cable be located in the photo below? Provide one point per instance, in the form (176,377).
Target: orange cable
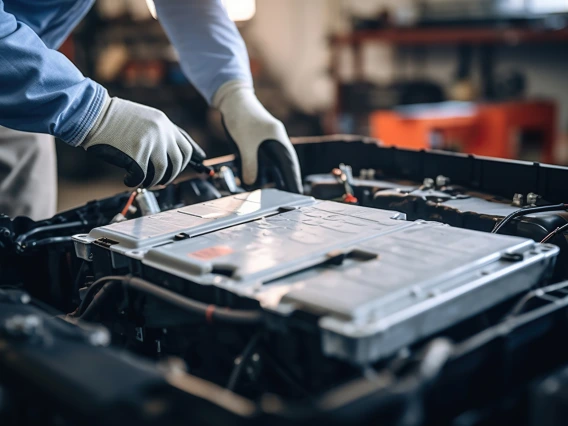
(128,204)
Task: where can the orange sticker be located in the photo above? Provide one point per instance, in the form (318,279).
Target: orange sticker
(211,252)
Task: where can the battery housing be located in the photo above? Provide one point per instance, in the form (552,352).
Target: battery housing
(373,281)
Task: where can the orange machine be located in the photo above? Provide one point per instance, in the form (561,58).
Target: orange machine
(517,130)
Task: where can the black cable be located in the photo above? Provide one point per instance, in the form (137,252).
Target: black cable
(554,233)
(244,358)
(528,210)
(48,228)
(98,301)
(45,242)
(211,312)
(92,291)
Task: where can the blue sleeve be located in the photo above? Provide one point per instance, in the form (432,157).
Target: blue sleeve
(40,89)
(51,20)
(210,47)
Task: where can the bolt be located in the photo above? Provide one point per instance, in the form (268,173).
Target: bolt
(255,357)
(371,174)
(428,183)
(363,174)
(442,181)
(532,198)
(518,200)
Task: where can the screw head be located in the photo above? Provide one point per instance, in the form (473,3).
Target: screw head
(428,183)
(518,200)
(532,198)
(442,181)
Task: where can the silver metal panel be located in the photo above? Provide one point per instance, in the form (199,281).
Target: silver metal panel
(269,248)
(425,279)
(375,281)
(149,231)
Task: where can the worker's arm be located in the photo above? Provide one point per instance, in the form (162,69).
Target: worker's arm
(51,20)
(214,58)
(42,91)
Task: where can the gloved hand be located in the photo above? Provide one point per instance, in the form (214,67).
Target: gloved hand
(255,131)
(141,140)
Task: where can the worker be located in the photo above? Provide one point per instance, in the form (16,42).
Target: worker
(42,95)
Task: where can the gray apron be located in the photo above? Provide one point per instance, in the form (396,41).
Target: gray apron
(28,174)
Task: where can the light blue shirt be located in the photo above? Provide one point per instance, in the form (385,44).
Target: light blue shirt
(42,91)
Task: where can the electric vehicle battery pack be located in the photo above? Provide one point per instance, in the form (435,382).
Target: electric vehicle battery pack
(373,281)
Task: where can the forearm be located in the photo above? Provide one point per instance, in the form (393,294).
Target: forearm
(211,50)
(41,90)
(214,58)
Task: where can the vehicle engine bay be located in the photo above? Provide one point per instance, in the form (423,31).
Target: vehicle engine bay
(402,288)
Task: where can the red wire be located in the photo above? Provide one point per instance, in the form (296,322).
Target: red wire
(128,204)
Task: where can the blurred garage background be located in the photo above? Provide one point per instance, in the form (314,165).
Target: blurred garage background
(485,77)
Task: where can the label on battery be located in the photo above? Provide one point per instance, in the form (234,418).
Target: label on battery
(211,252)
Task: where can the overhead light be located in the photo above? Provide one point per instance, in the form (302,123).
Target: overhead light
(240,10)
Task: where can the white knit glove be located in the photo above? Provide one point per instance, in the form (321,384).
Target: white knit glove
(257,133)
(141,140)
